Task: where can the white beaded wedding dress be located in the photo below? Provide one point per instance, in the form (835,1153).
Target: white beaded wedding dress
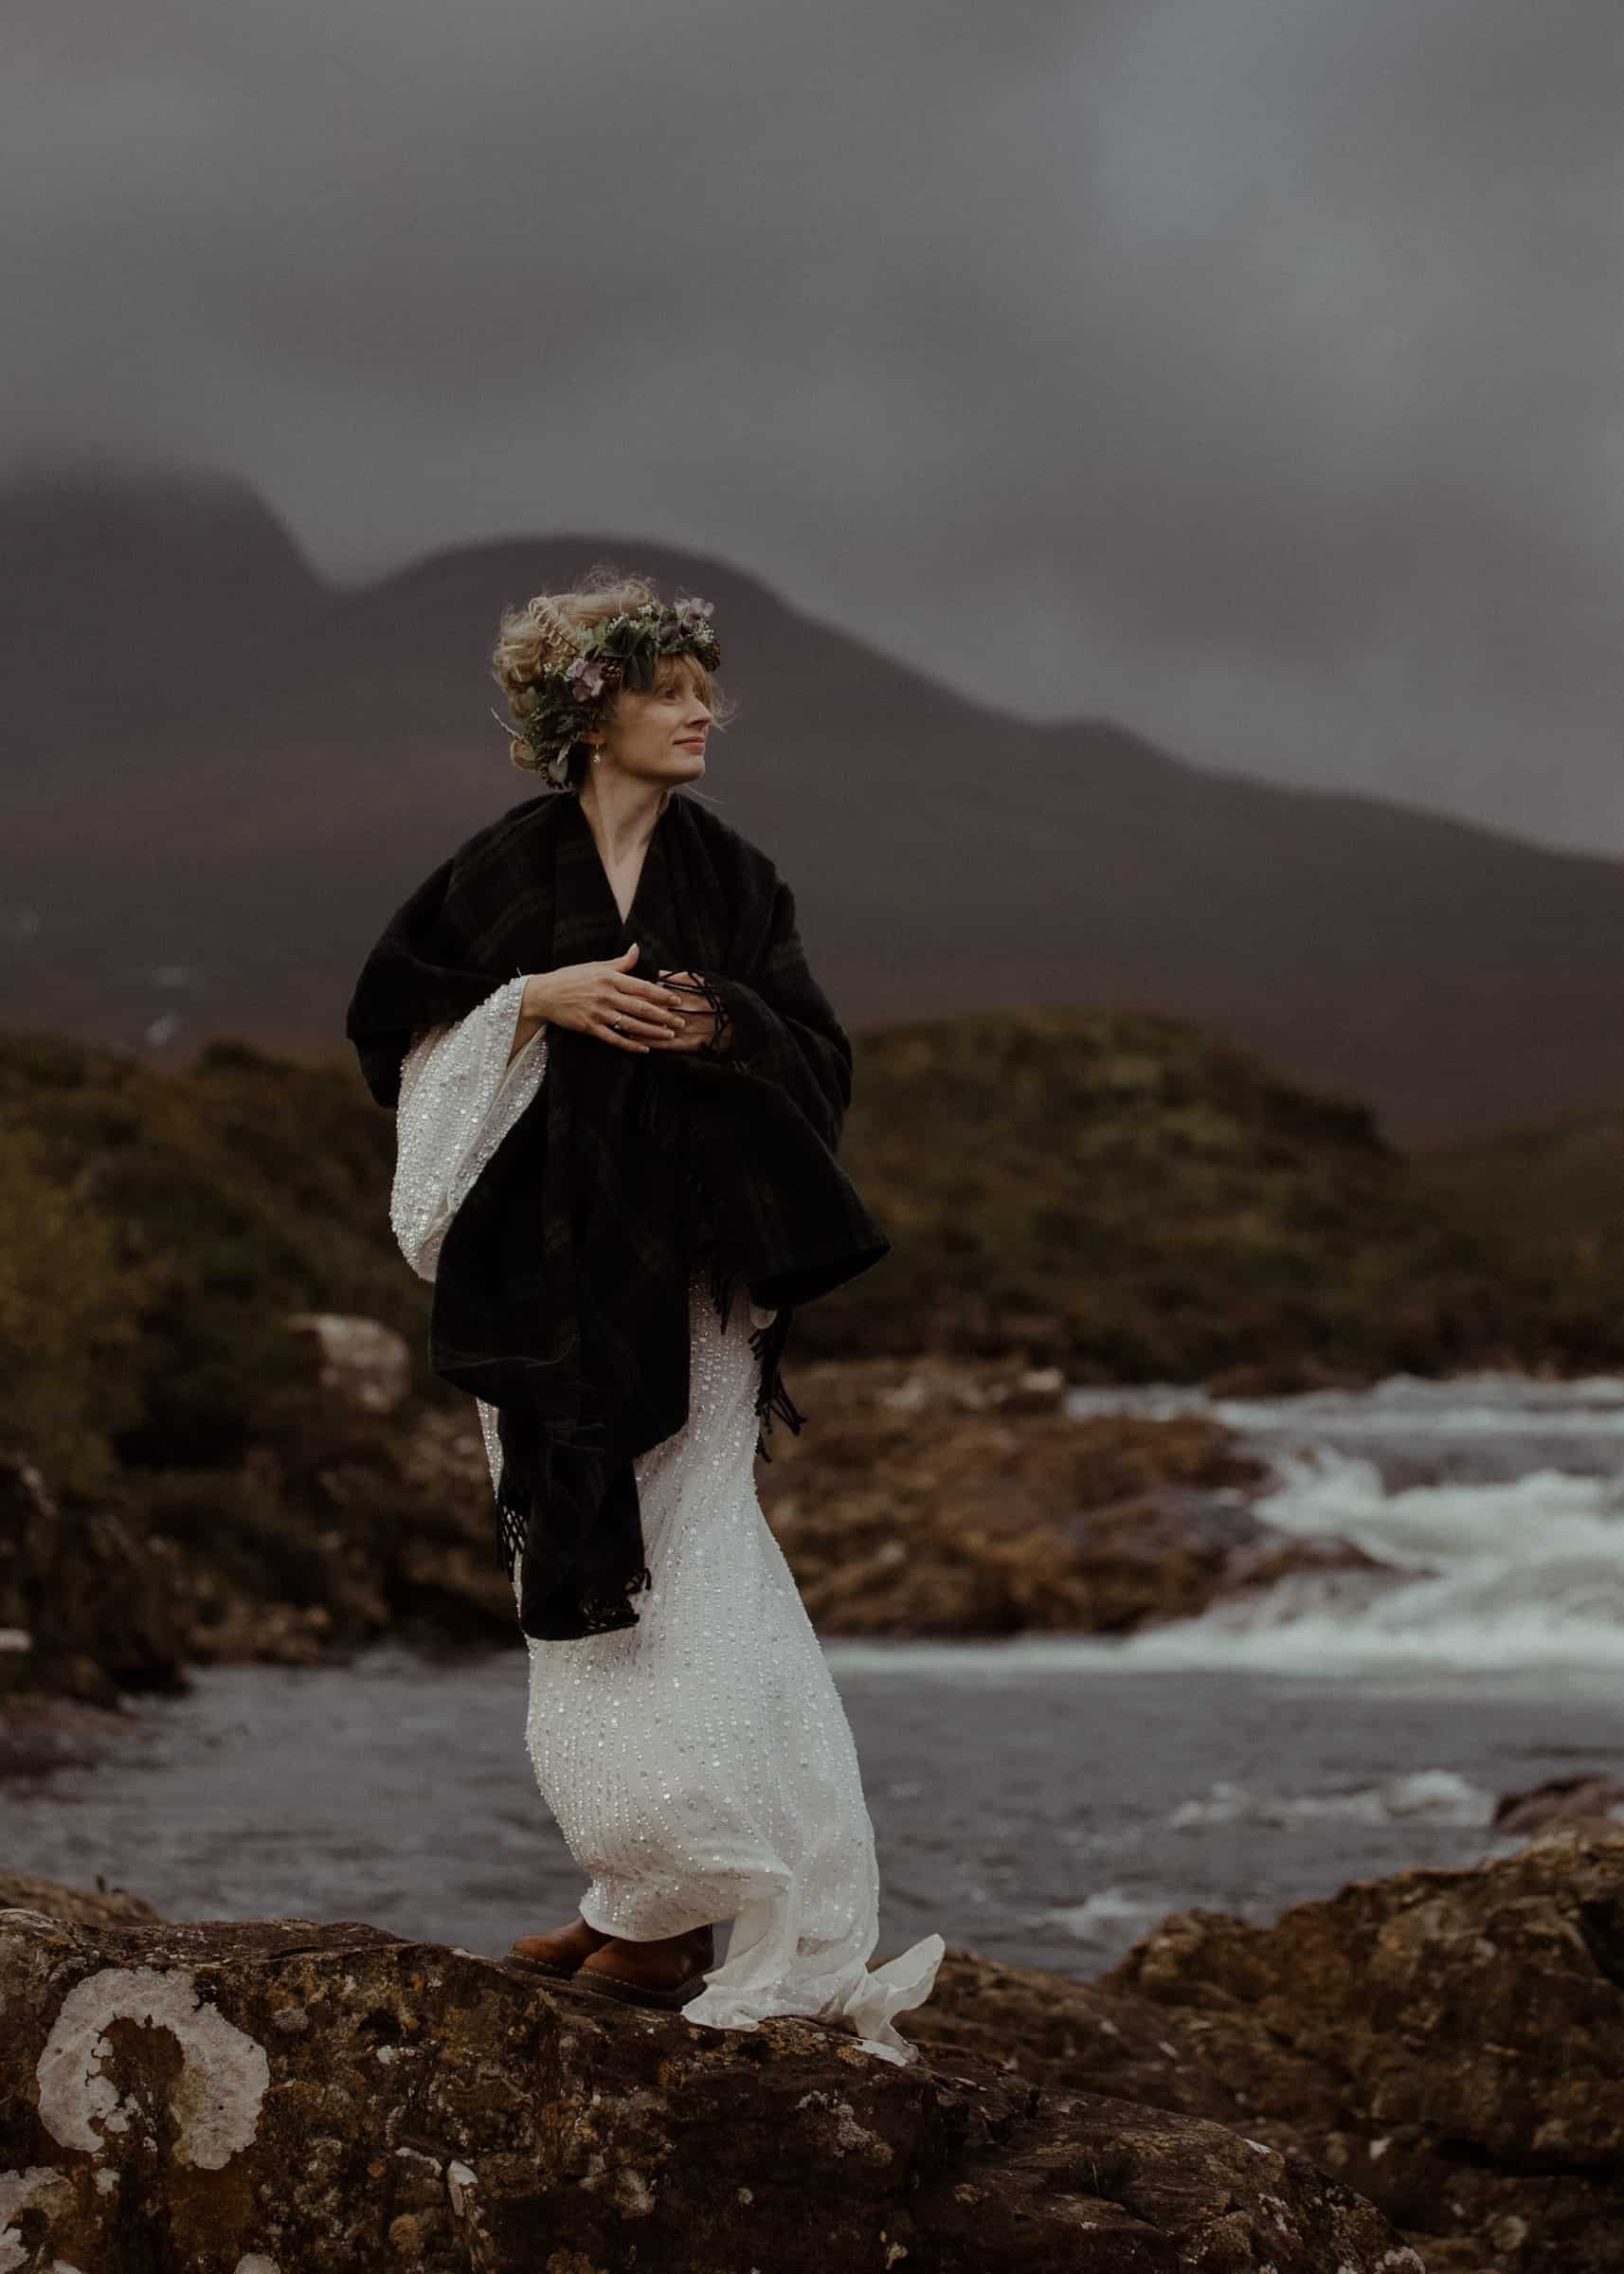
(700,1765)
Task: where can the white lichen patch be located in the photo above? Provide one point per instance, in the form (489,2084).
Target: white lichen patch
(39,2188)
(631,2193)
(216,2098)
(460,2179)
(647,2107)
(848,2132)
(255,2261)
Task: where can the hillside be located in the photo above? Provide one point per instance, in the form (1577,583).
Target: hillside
(222,774)
(1117,1194)
(1123,1195)
(1102,1194)
(1550,1195)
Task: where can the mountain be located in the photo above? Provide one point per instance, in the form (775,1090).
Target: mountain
(223,774)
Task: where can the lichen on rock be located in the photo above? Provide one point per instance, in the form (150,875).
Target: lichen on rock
(522,2125)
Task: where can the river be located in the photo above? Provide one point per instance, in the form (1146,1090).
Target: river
(1043,1799)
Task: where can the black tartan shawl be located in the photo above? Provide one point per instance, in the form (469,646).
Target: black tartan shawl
(561,1293)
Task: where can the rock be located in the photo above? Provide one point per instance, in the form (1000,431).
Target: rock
(925,1496)
(287,2096)
(363,1362)
(1450,2042)
(389,1532)
(78,1907)
(1174,1550)
(84,1599)
(941,1496)
(1287,1375)
(39,1733)
(447,1581)
(1559,1799)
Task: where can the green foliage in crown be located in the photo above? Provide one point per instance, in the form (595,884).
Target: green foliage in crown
(577,687)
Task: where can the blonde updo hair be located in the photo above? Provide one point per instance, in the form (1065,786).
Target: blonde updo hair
(547,629)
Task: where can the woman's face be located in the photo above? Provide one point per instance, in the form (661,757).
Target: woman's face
(659,736)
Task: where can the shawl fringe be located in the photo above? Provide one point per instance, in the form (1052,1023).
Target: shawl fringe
(772,1396)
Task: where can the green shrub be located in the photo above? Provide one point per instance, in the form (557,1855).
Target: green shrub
(66,1330)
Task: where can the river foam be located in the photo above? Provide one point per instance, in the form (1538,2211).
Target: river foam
(1494,1502)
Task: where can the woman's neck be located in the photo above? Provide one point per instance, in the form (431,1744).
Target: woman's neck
(622,813)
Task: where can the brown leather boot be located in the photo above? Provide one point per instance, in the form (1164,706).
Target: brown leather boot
(667,1973)
(561,1953)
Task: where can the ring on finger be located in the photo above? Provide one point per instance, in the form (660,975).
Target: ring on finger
(615,1024)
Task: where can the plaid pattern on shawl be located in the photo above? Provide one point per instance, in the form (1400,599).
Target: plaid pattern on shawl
(560,1293)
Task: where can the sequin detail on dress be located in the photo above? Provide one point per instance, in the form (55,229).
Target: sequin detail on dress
(700,1765)
(460,1096)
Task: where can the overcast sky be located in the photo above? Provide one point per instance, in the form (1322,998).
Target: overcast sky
(1251,370)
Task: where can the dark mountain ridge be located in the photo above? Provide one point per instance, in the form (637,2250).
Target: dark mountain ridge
(222,774)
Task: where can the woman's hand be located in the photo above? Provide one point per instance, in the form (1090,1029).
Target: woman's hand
(593,997)
(700,1030)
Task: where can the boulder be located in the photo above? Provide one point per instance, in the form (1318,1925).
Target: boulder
(949,1496)
(78,1906)
(363,1362)
(85,1607)
(283,2097)
(446,1582)
(1450,2042)
(40,1732)
(1559,1800)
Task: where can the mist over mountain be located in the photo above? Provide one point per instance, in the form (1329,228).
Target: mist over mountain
(222,773)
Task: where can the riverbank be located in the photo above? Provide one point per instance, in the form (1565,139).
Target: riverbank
(932,1496)
(1423,2072)
(220,1443)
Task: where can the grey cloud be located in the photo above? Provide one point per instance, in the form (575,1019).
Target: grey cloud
(1247,368)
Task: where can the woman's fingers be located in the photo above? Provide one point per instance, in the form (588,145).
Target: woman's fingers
(659,1016)
(698,1029)
(647,1030)
(631,986)
(606,1033)
(619,1019)
(639,1014)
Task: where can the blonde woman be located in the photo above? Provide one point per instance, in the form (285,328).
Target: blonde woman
(618,1095)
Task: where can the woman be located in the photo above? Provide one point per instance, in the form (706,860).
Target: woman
(618,1095)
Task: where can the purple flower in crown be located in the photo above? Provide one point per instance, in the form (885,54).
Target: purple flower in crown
(587,677)
(687,609)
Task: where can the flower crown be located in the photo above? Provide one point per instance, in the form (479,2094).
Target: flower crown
(576,687)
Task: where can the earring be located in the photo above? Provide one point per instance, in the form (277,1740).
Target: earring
(597,756)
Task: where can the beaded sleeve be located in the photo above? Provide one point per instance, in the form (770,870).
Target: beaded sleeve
(460,1096)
